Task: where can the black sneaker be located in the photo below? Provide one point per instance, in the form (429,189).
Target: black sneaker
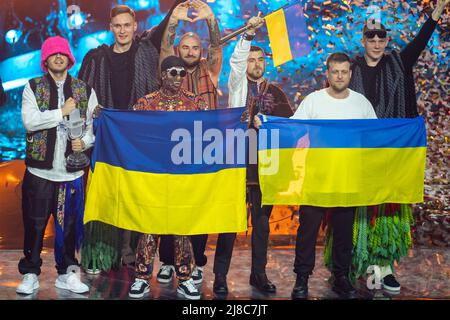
(391,284)
(138,289)
(165,273)
(188,290)
(197,275)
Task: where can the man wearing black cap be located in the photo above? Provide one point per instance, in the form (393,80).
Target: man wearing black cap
(171,97)
(387,81)
(203,79)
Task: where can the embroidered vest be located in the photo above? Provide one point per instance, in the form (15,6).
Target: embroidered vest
(40,146)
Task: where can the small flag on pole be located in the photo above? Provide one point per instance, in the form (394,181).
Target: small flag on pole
(287,34)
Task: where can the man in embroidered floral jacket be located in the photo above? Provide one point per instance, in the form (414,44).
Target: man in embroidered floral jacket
(48,187)
(171,97)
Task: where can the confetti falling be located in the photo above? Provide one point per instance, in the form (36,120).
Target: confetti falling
(336,25)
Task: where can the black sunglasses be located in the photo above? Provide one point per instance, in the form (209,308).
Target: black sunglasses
(174,72)
(371,34)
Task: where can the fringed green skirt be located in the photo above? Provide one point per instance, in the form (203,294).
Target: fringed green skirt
(104,245)
(381,235)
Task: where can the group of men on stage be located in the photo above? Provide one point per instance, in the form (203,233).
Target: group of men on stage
(146,72)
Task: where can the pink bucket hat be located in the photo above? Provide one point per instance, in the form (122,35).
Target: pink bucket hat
(54,45)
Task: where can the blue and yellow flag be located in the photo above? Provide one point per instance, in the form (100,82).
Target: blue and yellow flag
(331,163)
(169,172)
(288,34)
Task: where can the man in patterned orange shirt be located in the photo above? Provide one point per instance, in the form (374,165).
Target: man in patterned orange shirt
(171,97)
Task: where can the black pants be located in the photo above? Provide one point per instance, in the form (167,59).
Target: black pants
(260,233)
(39,201)
(341,222)
(222,257)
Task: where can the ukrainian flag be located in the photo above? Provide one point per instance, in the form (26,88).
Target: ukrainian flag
(331,163)
(169,172)
(287,34)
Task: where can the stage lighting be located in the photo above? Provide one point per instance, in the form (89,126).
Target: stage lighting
(143,4)
(76,20)
(13,35)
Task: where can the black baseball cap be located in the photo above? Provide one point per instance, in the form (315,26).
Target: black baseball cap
(172,61)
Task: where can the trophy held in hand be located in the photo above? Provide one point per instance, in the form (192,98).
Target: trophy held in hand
(77,160)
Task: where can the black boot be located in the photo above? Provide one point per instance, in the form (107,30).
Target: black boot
(300,291)
(220,284)
(344,288)
(262,283)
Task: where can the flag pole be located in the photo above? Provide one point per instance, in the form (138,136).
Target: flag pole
(245,28)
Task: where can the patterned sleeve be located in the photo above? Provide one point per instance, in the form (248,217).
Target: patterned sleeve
(140,104)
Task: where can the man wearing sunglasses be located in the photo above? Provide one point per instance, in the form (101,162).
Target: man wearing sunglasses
(203,73)
(387,81)
(202,79)
(171,97)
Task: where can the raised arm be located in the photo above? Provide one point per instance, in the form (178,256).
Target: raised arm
(215,49)
(168,39)
(413,50)
(238,61)
(156,35)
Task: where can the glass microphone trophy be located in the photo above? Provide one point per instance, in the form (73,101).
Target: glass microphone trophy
(77,160)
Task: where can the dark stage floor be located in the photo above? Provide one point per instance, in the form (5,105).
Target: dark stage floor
(424,274)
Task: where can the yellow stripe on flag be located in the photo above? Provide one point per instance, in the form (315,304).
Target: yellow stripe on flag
(279,37)
(130,200)
(333,177)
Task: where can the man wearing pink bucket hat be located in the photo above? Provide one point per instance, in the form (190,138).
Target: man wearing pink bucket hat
(48,186)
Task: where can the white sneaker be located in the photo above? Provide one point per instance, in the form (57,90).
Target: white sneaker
(165,274)
(71,282)
(138,289)
(92,271)
(188,290)
(197,275)
(29,284)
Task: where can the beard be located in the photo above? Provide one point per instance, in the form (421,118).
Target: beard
(255,74)
(191,64)
(339,88)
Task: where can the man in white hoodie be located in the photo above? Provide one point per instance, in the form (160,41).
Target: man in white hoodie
(247,83)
